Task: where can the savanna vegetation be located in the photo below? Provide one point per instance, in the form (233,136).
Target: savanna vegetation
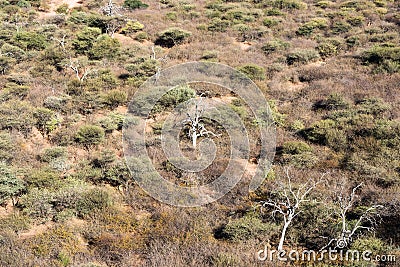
(331,73)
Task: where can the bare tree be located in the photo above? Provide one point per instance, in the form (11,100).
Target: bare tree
(80,67)
(289,202)
(195,123)
(62,42)
(111,9)
(345,201)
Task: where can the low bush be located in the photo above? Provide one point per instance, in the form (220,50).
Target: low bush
(295,147)
(274,45)
(253,71)
(134,4)
(89,135)
(172,37)
(301,56)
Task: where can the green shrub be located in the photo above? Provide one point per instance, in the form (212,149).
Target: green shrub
(295,147)
(308,28)
(46,120)
(104,47)
(30,40)
(85,39)
(386,57)
(274,45)
(134,4)
(302,56)
(10,186)
(92,201)
(274,12)
(141,36)
(114,121)
(89,135)
(369,243)
(43,178)
(218,25)
(14,52)
(14,91)
(37,203)
(271,22)
(288,4)
(373,106)
(53,153)
(132,27)
(324,4)
(332,102)
(114,98)
(172,37)
(253,71)
(340,27)
(143,68)
(329,47)
(176,96)
(16,115)
(6,147)
(355,20)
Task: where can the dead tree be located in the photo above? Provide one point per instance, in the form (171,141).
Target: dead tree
(111,9)
(80,69)
(345,201)
(289,202)
(195,124)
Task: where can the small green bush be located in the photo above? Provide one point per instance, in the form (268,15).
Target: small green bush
(104,47)
(132,27)
(340,27)
(114,98)
(53,153)
(134,4)
(308,28)
(253,71)
(43,178)
(218,25)
(46,120)
(89,135)
(332,102)
(172,37)
(6,147)
(10,186)
(30,40)
(16,115)
(92,201)
(302,56)
(85,39)
(274,45)
(176,96)
(295,147)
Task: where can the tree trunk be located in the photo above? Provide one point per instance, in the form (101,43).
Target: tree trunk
(285,227)
(194,139)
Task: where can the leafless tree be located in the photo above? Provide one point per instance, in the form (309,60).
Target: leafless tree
(345,201)
(195,123)
(80,67)
(289,202)
(62,42)
(111,9)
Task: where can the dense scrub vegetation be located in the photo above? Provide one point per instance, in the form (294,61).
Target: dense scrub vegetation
(331,70)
